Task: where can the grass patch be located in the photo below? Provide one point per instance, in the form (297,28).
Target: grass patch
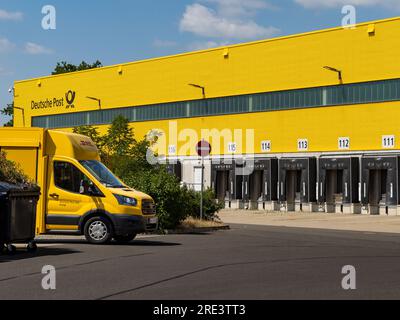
(192,223)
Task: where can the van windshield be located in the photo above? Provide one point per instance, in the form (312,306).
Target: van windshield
(102,173)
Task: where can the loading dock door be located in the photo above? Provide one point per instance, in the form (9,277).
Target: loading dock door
(297,180)
(256,185)
(293,186)
(223,180)
(334,186)
(379,185)
(338,180)
(261,184)
(241,187)
(222,185)
(175,169)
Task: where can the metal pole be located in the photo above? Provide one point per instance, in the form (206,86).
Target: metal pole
(202,188)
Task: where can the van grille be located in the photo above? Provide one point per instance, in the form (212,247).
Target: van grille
(148,207)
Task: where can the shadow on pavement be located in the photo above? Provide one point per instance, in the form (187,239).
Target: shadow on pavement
(193,233)
(21,254)
(62,241)
(134,243)
(147,243)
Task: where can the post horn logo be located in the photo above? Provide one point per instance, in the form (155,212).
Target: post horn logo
(70,97)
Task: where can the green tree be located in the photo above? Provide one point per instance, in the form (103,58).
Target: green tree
(118,146)
(9,112)
(119,139)
(65,67)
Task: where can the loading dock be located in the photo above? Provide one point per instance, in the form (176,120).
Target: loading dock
(379,185)
(241,187)
(260,190)
(175,168)
(297,181)
(338,184)
(223,179)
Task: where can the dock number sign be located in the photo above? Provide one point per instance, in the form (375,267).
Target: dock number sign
(203,148)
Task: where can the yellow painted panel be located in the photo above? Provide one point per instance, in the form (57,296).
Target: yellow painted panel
(263,66)
(66,228)
(26,158)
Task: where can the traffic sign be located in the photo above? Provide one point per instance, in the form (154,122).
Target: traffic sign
(203,148)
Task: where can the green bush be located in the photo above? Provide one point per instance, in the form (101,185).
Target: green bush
(210,205)
(173,201)
(10,172)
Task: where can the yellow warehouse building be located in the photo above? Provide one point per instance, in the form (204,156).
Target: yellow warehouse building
(307,122)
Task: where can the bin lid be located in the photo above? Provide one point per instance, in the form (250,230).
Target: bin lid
(6,187)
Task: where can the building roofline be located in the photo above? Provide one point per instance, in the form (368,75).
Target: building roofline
(362,24)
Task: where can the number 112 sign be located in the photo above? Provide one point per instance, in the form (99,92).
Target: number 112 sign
(344,143)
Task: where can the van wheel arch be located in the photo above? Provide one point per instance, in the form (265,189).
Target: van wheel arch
(91,215)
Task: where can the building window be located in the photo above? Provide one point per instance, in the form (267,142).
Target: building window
(357,93)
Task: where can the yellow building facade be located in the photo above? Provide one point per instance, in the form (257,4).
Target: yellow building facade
(327,94)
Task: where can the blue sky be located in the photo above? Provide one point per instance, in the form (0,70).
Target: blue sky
(126,30)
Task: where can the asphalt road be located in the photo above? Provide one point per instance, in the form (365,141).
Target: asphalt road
(247,262)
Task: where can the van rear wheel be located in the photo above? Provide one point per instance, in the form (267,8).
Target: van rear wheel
(126,238)
(98,230)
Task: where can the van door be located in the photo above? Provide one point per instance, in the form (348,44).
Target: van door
(71,195)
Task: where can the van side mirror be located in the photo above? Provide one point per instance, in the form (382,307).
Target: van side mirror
(93,191)
(88,188)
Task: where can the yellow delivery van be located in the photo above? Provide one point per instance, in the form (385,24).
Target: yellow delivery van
(80,195)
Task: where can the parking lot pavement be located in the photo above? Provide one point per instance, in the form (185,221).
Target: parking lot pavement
(348,222)
(46,241)
(247,262)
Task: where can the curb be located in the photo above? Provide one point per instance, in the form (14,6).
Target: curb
(197,230)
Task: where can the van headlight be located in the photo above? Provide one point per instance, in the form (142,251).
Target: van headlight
(126,201)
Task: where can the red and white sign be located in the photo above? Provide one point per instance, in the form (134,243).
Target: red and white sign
(203,148)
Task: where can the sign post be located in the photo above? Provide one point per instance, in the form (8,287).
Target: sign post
(203,149)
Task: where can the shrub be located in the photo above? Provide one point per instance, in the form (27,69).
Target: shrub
(174,202)
(210,205)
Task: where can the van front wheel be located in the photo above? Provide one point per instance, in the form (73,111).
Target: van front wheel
(98,230)
(125,239)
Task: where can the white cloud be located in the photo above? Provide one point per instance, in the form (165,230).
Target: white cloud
(6,45)
(202,45)
(240,8)
(34,48)
(10,16)
(312,4)
(206,22)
